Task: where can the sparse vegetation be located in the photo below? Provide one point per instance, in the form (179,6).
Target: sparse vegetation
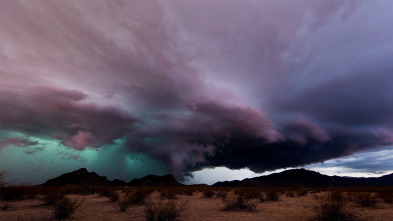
(336,204)
(164,210)
(302,191)
(272,195)
(123,203)
(138,195)
(290,193)
(208,193)
(64,207)
(386,196)
(239,203)
(168,193)
(249,193)
(332,208)
(221,194)
(366,199)
(52,197)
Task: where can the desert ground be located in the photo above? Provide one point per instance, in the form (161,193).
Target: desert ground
(96,206)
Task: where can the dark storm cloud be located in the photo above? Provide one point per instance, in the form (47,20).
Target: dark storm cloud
(292,153)
(258,84)
(187,139)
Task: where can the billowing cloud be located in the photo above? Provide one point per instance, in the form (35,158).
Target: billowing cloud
(194,84)
(62,114)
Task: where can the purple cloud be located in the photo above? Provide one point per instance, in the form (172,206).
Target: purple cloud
(257,84)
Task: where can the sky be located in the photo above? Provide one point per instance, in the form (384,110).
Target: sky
(206,90)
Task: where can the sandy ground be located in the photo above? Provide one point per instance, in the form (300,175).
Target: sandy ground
(95,208)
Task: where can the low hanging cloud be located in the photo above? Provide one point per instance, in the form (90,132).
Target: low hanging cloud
(194,84)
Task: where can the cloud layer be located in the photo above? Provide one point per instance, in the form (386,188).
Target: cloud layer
(194,84)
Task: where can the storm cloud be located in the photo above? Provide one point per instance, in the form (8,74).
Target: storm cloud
(194,84)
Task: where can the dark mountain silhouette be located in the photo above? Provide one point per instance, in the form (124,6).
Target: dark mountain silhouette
(307,178)
(153,180)
(288,178)
(80,177)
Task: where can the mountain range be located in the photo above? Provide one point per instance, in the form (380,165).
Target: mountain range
(82,177)
(288,178)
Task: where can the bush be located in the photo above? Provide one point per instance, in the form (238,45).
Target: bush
(123,203)
(188,192)
(221,194)
(168,193)
(112,196)
(139,195)
(387,196)
(332,208)
(249,193)
(272,195)
(52,197)
(290,193)
(239,203)
(64,207)
(366,199)
(208,193)
(262,198)
(302,191)
(164,210)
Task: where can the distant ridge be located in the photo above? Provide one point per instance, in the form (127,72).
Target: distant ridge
(307,178)
(288,178)
(153,180)
(82,177)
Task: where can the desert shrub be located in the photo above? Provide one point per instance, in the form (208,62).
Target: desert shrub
(113,196)
(72,189)
(123,203)
(64,207)
(302,191)
(272,195)
(239,203)
(221,194)
(186,191)
(249,193)
(262,198)
(208,193)
(52,197)
(386,196)
(164,210)
(290,193)
(366,199)
(139,195)
(168,193)
(332,208)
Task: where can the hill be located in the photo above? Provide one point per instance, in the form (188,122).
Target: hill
(153,180)
(80,177)
(308,178)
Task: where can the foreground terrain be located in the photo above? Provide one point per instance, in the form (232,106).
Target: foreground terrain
(205,203)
